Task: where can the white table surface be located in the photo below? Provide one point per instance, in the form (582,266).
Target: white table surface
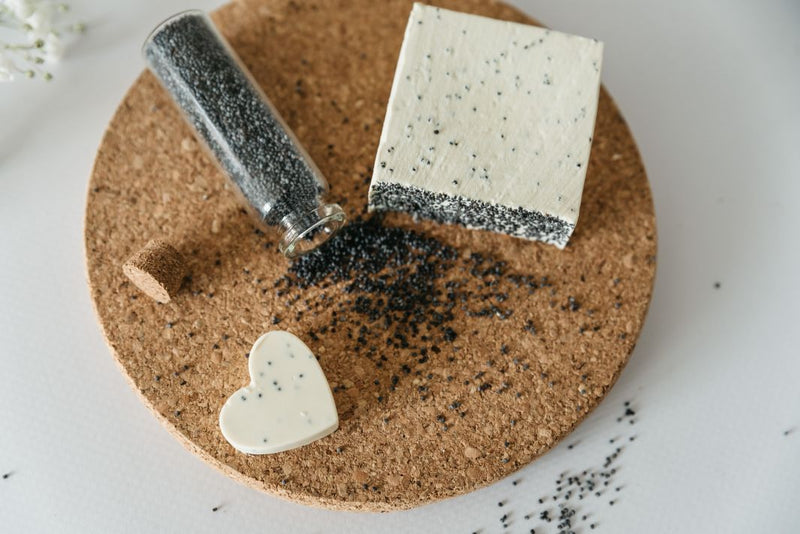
(710,90)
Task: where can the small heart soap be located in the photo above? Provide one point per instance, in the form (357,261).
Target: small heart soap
(288,403)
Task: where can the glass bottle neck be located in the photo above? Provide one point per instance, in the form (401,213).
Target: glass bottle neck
(303,232)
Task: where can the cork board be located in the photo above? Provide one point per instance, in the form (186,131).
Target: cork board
(416,424)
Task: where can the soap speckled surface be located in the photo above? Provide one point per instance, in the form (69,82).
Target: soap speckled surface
(489,125)
(547,364)
(288,402)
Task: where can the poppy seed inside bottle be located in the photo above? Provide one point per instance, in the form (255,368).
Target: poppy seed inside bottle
(239,126)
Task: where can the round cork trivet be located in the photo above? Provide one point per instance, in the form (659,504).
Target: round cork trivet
(500,394)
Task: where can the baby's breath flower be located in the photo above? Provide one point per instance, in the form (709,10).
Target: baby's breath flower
(7,67)
(38,27)
(21,9)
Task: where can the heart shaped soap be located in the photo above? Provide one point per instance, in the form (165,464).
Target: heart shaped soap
(288,402)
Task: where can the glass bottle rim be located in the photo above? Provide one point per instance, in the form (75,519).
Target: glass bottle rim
(166,22)
(310,230)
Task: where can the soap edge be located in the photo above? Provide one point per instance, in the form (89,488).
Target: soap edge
(392,196)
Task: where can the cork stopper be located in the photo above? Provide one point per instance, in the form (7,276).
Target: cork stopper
(157,269)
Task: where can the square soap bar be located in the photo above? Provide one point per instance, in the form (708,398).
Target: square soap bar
(489,125)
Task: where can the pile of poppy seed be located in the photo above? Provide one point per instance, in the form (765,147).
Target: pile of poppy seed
(395,278)
(572,505)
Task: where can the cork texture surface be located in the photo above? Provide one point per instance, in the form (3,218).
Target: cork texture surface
(440,414)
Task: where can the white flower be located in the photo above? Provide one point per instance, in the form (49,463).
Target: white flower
(53,48)
(6,75)
(21,9)
(38,40)
(7,68)
(40,20)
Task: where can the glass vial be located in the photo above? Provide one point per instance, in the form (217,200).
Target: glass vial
(244,132)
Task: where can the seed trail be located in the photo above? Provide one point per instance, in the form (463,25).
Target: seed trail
(576,490)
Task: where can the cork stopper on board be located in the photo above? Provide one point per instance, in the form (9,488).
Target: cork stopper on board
(157,269)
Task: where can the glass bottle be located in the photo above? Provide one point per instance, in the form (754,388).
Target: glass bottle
(243,130)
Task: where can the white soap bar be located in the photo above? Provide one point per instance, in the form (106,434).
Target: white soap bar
(287,404)
(489,125)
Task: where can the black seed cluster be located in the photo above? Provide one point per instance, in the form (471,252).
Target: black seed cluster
(228,112)
(395,277)
(440,207)
(565,510)
(405,293)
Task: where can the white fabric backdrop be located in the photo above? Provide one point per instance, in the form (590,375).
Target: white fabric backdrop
(710,91)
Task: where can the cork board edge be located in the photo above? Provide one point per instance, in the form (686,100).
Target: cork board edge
(319,501)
